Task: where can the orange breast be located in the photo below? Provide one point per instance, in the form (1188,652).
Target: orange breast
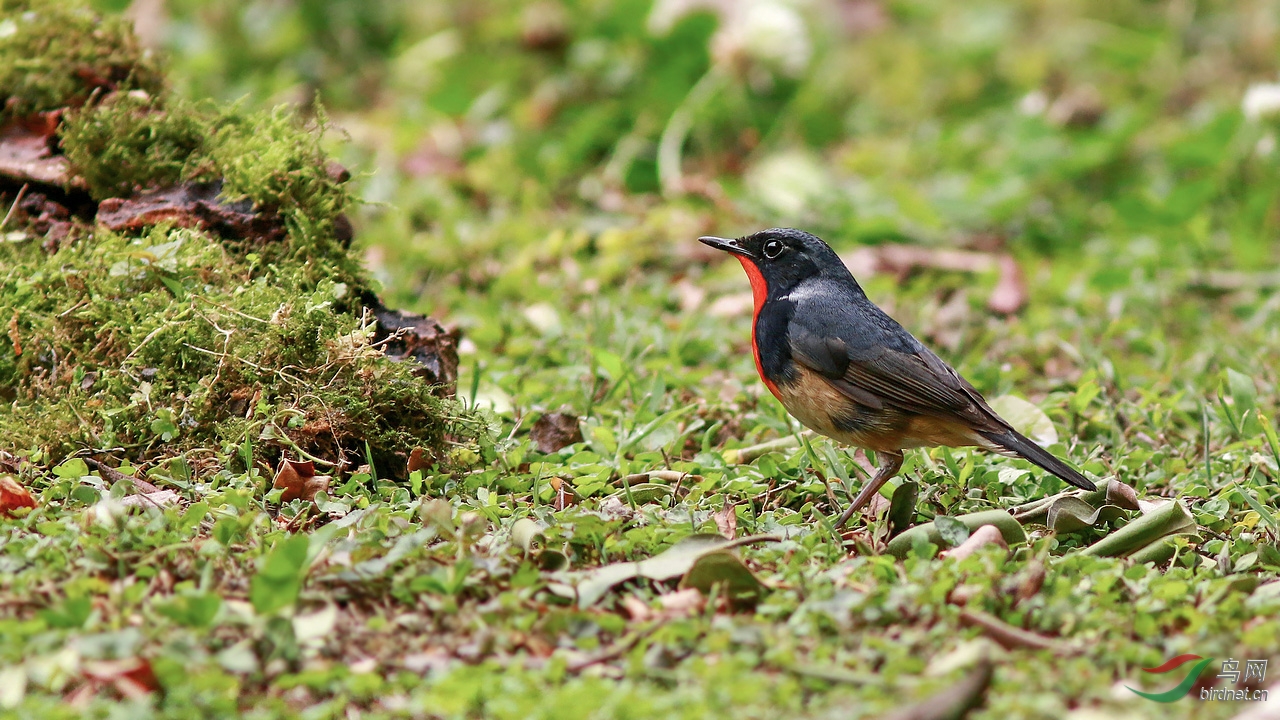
(822,408)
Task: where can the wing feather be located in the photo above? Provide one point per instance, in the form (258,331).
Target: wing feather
(878,363)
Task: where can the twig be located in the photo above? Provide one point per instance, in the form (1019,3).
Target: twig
(954,702)
(230,309)
(777,493)
(1010,637)
(618,649)
(741,456)
(17,199)
(151,335)
(72,309)
(140,486)
(663,475)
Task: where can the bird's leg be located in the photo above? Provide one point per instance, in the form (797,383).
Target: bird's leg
(890,463)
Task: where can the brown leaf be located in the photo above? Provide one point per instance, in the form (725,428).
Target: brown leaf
(418,460)
(1079,107)
(409,336)
(25,156)
(132,677)
(192,205)
(544,26)
(13,496)
(983,536)
(299,480)
(727,520)
(862,17)
(554,431)
(1119,493)
(877,505)
(15,336)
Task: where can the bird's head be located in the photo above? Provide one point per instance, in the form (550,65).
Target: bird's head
(779,259)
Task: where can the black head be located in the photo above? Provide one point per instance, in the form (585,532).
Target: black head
(785,257)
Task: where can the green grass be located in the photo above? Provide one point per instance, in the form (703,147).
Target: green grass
(1102,144)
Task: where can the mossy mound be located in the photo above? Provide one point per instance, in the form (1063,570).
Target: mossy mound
(155,333)
(56,54)
(154,345)
(131,143)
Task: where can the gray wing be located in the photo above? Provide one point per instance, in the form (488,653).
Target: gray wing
(872,360)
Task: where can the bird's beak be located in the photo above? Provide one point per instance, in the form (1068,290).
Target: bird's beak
(725,244)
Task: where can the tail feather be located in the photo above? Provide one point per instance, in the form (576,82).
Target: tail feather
(1010,441)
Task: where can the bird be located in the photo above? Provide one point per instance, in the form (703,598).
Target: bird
(845,369)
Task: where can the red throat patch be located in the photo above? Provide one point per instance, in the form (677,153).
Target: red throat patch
(759,293)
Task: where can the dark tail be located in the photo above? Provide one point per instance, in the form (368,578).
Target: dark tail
(1016,444)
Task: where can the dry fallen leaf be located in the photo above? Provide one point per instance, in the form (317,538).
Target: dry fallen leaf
(554,431)
(160,498)
(636,608)
(192,205)
(131,678)
(682,603)
(1123,495)
(13,496)
(727,521)
(423,340)
(564,496)
(299,480)
(418,460)
(877,505)
(25,156)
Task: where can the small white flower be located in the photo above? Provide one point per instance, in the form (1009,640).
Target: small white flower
(1033,103)
(790,182)
(1261,100)
(771,33)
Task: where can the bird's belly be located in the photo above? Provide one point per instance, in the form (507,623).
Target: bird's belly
(819,406)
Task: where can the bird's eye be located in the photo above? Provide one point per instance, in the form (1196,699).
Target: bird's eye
(773,249)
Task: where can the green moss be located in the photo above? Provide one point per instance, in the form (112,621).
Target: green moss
(279,163)
(168,343)
(127,144)
(56,53)
(130,143)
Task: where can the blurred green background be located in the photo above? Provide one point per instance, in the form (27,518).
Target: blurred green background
(1047,125)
